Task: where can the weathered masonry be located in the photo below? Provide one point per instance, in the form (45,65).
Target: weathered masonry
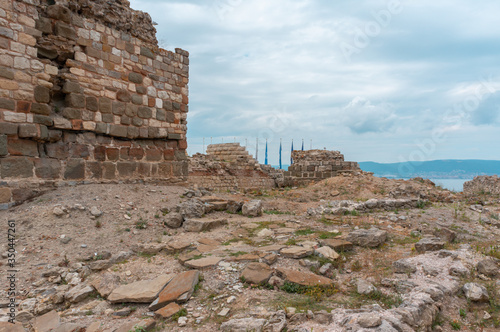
(87,94)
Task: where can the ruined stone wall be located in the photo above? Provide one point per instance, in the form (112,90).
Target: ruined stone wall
(483,185)
(316,165)
(229,167)
(87,94)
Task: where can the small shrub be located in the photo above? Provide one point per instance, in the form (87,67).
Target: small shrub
(462,313)
(455,325)
(98,224)
(141,224)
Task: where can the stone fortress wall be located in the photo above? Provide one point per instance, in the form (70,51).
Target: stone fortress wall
(316,165)
(230,167)
(481,185)
(87,94)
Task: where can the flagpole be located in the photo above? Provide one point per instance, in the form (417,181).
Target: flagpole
(265,162)
(291,152)
(257,149)
(281,140)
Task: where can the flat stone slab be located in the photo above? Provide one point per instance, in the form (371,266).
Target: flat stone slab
(272,248)
(257,273)
(429,244)
(296,252)
(242,258)
(106,283)
(204,248)
(144,291)
(9,327)
(179,289)
(285,230)
(183,258)
(370,238)
(178,245)
(208,242)
(168,311)
(200,225)
(145,324)
(203,262)
(337,244)
(47,322)
(303,278)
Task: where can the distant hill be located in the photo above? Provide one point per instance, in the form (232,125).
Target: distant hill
(436,169)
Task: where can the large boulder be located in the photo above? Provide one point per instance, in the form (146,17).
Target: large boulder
(370,238)
(174,220)
(252,208)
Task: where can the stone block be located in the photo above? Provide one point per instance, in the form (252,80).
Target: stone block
(72,87)
(65,30)
(75,169)
(147,52)
(16,167)
(109,170)
(94,169)
(43,120)
(72,113)
(135,77)
(154,155)
(144,112)
(137,122)
(22,147)
(5,195)
(57,150)
(91,103)
(123,95)
(44,25)
(108,118)
(42,94)
(3,145)
(46,168)
(118,131)
(126,169)
(42,109)
(28,130)
(59,12)
(132,132)
(118,108)
(7,104)
(8,128)
(105,105)
(75,100)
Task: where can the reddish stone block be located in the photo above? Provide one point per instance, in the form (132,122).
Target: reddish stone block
(113,154)
(168,154)
(23,106)
(151,102)
(79,151)
(136,153)
(22,147)
(183,144)
(153,155)
(100,153)
(77,124)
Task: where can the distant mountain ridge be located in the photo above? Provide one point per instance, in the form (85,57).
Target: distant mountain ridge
(436,169)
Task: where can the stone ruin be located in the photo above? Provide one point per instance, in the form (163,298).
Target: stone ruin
(230,167)
(87,94)
(483,185)
(316,165)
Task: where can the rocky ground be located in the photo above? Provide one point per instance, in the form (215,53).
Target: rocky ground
(351,253)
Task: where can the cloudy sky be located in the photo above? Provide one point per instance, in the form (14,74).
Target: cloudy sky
(379,80)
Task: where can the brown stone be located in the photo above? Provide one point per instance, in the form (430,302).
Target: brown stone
(303,278)
(135,77)
(11,327)
(178,290)
(47,168)
(5,195)
(256,273)
(42,94)
(154,155)
(3,145)
(75,169)
(296,252)
(72,87)
(143,291)
(123,95)
(8,128)
(43,119)
(75,100)
(47,322)
(22,147)
(72,113)
(112,153)
(7,104)
(27,130)
(141,325)
(203,262)
(337,244)
(126,169)
(42,109)
(118,131)
(59,12)
(145,112)
(105,105)
(91,103)
(64,30)
(168,311)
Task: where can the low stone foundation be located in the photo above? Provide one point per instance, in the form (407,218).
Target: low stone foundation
(483,185)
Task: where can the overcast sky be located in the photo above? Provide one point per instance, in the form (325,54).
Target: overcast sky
(383,81)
